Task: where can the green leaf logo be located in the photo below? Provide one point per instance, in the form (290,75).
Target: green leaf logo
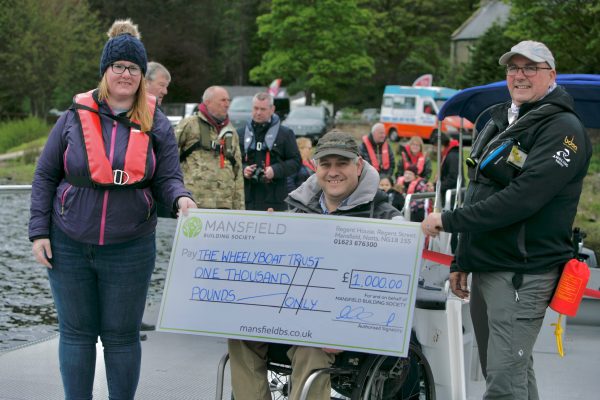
(192,227)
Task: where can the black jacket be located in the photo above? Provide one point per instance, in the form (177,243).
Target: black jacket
(294,181)
(449,171)
(284,159)
(395,198)
(523,225)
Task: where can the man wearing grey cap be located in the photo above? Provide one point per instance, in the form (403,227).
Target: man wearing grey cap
(344,184)
(526,172)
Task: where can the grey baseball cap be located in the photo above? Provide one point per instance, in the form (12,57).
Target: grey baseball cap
(338,143)
(535,51)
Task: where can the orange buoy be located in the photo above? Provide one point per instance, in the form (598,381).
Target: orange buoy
(570,288)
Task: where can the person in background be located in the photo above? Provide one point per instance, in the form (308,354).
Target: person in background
(308,166)
(376,150)
(343,185)
(210,153)
(93,216)
(158,79)
(157,82)
(395,197)
(412,183)
(412,153)
(449,169)
(269,156)
(526,172)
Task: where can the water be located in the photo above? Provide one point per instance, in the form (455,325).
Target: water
(26,307)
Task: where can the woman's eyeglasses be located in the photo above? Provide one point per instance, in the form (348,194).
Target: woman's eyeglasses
(118,69)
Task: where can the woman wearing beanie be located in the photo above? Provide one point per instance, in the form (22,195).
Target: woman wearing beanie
(108,160)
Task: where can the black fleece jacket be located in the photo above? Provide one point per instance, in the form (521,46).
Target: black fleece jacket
(524,226)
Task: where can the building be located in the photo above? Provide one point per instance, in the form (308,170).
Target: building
(489,12)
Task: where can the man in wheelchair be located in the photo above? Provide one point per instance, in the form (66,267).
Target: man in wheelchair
(344,184)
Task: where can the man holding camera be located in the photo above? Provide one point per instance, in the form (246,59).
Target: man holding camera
(269,155)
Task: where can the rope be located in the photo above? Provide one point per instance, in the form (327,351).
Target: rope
(591,293)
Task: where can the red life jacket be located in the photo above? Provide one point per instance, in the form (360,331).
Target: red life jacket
(136,169)
(409,159)
(385,154)
(310,165)
(411,186)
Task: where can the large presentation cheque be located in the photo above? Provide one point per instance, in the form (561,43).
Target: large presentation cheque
(304,279)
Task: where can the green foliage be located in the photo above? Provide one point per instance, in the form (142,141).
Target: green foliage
(37,143)
(595,161)
(49,51)
(483,67)
(16,173)
(588,210)
(408,38)
(14,133)
(316,46)
(571,30)
(240,48)
(200,42)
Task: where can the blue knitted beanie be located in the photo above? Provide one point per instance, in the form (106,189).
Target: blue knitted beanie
(123,46)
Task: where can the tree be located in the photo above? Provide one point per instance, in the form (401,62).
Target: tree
(240,49)
(316,46)
(50,51)
(483,67)
(571,29)
(201,42)
(409,38)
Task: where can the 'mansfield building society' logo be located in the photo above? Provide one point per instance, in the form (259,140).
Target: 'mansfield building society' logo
(237,229)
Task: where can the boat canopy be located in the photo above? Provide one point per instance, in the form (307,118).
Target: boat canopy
(472,103)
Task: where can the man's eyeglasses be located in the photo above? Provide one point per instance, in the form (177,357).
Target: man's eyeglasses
(528,70)
(118,69)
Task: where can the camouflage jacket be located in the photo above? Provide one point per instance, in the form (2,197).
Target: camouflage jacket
(211,185)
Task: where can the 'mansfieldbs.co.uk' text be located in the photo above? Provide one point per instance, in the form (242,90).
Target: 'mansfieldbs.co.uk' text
(275,330)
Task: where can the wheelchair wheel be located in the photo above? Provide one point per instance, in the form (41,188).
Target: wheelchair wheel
(279,381)
(393,378)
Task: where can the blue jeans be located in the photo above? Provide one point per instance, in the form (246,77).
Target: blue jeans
(100,291)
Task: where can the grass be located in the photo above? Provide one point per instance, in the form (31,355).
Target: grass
(16,173)
(588,212)
(14,133)
(37,143)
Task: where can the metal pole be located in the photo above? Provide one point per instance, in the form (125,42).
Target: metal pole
(458,200)
(437,205)
(14,188)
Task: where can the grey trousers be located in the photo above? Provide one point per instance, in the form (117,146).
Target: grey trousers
(248,365)
(506,330)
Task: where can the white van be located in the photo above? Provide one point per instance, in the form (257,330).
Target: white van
(408,111)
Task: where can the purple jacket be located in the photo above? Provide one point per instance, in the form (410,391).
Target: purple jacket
(101,216)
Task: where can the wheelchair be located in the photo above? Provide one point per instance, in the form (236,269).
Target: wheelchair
(354,376)
(362,376)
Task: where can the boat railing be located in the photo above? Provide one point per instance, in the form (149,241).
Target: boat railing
(14,189)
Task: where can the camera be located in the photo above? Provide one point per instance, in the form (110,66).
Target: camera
(258,175)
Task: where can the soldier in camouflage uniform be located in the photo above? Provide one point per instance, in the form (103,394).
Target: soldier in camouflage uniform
(210,154)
